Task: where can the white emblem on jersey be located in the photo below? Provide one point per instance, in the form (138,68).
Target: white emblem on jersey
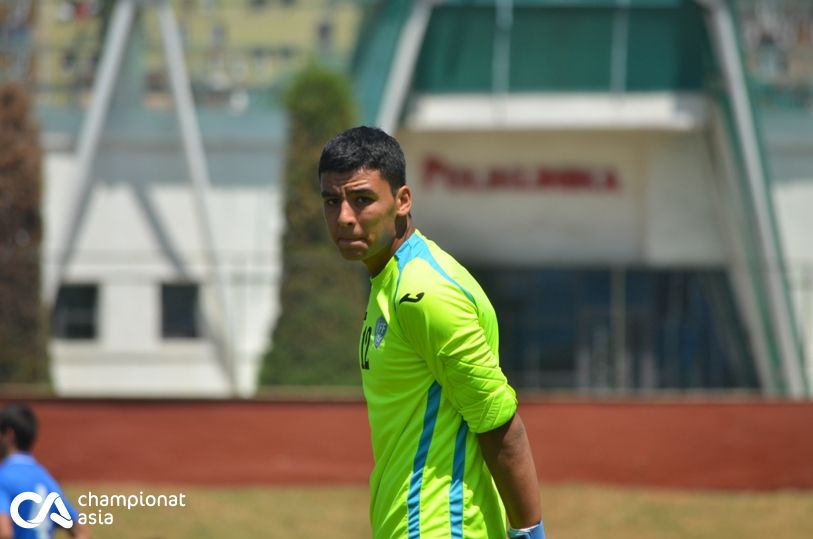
(380,331)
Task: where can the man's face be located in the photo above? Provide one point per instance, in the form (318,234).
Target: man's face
(361,212)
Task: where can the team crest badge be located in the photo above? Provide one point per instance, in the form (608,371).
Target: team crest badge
(380,331)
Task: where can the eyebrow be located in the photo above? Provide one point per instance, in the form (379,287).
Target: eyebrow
(361,190)
(356,191)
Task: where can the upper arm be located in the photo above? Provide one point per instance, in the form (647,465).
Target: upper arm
(54,486)
(445,329)
(77,529)
(6,530)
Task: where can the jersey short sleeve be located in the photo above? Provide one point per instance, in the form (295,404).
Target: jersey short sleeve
(445,329)
(54,487)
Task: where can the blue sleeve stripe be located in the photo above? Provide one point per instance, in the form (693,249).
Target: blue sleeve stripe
(414,496)
(456,488)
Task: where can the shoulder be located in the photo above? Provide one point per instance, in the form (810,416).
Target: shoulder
(7,470)
(425,266)
(430,296)
(420,275)
(29,469)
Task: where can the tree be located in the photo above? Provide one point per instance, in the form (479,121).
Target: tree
(322,296)
(22,334)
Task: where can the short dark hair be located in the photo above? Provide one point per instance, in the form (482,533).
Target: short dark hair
(365,148)
(20,418)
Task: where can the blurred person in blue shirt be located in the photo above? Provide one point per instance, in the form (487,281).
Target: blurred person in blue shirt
(42,506)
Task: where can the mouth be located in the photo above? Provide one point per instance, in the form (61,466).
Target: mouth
(349,241)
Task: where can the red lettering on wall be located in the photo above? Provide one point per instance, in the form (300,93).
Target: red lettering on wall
(436,171)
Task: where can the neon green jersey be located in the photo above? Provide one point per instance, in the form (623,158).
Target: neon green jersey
(432,380)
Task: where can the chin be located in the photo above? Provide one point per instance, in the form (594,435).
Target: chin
(353,255)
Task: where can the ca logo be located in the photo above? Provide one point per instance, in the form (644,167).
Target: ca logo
(63,518)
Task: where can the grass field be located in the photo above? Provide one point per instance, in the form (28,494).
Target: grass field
(575,511)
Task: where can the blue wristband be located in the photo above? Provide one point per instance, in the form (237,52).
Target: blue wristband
(534,532)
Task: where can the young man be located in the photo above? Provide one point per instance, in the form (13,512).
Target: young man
(451,453)
(20,473)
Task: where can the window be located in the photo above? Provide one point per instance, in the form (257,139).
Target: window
(75,312)
(620,328)
(179,311)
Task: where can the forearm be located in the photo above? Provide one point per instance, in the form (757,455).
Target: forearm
(508,455)
(6,531)
(78,531)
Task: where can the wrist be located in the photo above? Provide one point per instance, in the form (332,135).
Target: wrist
(534,532)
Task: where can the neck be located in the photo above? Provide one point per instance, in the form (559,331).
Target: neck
(10,452)
(402,234)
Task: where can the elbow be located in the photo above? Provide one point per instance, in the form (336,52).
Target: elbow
(505,443)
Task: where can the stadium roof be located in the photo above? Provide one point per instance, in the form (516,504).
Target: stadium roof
(535,46)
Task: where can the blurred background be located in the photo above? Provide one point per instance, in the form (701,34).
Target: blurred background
(629,180)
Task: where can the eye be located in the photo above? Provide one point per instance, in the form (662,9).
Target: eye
(364,200)
(330,202)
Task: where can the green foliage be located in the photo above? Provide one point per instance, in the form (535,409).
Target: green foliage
(22,337)
(323,296)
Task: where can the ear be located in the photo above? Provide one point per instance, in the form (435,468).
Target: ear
(10,437)
(403,201)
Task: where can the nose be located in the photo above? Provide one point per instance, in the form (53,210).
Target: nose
(347,217)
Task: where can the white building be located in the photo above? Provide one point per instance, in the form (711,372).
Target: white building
(163,245)
(598,167)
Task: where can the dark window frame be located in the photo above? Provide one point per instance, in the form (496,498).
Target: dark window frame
(180,311)
(75,316)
